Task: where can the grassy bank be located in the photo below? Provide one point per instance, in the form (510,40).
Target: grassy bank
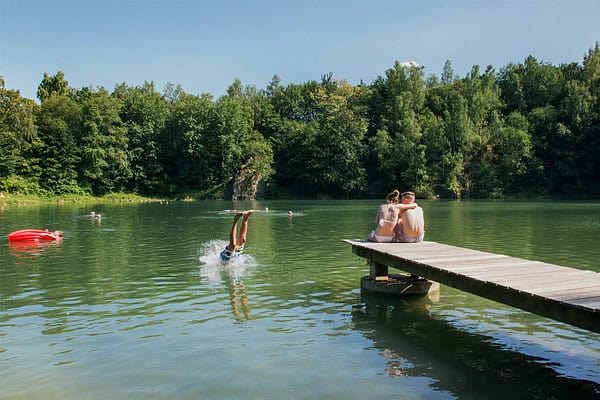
(17,199)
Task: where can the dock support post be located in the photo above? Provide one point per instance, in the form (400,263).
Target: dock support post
(376,269)
(381,282)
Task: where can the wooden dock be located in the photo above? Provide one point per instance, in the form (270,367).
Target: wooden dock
(565,294)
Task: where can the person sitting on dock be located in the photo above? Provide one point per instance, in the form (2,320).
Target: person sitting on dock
(236,245)
(411,223)
(387,218)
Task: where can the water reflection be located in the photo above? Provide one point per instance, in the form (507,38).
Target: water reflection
(230,275)
(462,363)
(33,248)
(239,299)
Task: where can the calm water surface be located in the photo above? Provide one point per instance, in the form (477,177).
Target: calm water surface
(137,306)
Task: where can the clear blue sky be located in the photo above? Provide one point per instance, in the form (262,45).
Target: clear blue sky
(205,45)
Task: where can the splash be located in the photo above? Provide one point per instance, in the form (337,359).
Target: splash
(213,268)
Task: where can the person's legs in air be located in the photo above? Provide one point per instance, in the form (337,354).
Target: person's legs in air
(243,231)
(228,253)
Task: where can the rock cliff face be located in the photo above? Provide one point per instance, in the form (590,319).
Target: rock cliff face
(245,184)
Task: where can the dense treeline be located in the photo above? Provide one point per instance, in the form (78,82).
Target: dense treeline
(527,129)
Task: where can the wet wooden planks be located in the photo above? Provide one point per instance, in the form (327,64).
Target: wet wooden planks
(565,294)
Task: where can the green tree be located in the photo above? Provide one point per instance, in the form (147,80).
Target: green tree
(397,104)
(293,148)
(459,133)
(144,112)
(189,152)
(59,126)
(104,163)
(447,74)
(576,119)
(484,105)
(292,137)
(52,85)
(18,140)
(512,149)
(336,166)
(591,139)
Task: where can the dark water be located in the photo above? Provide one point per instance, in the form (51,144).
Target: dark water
(136,306)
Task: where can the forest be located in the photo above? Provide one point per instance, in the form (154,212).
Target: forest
(523,130)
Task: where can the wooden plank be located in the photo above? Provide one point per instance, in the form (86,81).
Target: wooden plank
(565,294)
(504,277)
(410,250)
(581,299)
(462,259)
(565,281)
(501,268)
(591,303)
(522,267)
(535,279)
(592,290)
(542,275)
(458,258)
(467,265)
(442,255)
(575,299)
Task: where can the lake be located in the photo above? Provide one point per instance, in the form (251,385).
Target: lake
(136,305)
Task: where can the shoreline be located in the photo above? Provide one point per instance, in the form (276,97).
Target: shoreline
(32,200)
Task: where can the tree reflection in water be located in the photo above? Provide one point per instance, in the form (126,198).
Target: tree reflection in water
(416,344)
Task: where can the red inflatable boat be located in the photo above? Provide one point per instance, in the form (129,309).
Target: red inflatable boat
(34,234)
